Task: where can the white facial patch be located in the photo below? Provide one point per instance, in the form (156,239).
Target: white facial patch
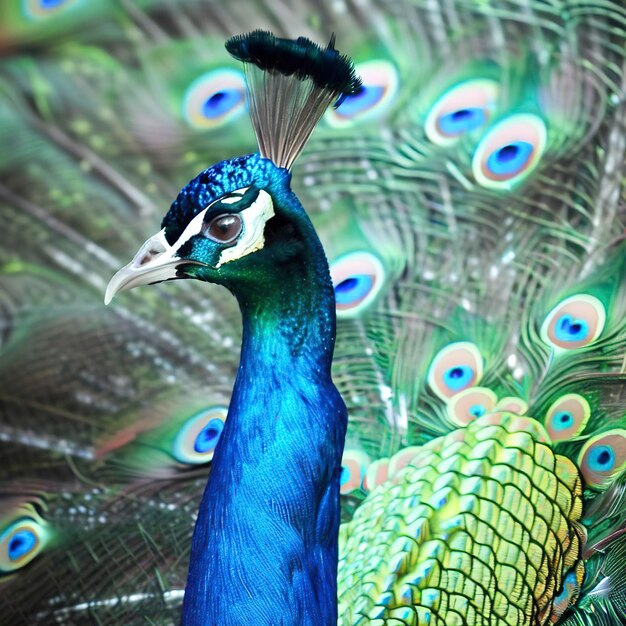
(157,260)
(252,237)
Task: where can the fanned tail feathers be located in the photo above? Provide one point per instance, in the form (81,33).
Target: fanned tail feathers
(470,201)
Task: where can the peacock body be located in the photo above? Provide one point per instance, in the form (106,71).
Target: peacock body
(470,203)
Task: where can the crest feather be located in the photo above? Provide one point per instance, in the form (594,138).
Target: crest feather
(291,82)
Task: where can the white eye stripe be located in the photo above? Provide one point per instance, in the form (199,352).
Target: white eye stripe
(193,228)
(252,237)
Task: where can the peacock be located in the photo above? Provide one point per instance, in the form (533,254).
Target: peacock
(468,198)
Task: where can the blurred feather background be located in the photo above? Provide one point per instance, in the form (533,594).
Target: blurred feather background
(107,108)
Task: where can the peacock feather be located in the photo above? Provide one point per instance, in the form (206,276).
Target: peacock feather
(469,201)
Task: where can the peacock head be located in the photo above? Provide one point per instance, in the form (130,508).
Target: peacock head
(237,221)
(231,225)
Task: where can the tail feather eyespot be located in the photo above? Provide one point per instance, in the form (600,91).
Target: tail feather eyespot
(197,439)
(456,367)
(510,151)
(378,90)
(567,416)
(471,404)
(358,278)
(603,457)
(23,535)
(214,99)
(44,9)
(576,322)
(460,110)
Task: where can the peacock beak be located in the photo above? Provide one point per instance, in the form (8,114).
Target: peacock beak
(156,261)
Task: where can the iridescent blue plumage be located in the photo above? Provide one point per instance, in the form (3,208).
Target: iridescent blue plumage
(277,546)
(267,530)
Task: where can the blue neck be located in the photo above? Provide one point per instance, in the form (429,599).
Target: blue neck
(264,549)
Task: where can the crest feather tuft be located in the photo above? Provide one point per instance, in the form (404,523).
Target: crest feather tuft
(291,82)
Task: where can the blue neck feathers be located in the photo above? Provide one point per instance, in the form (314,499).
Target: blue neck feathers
(265,545)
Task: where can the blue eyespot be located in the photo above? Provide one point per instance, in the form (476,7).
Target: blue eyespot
(199,435)
(562,420)
(477,410)
(214,99)
(510,151)
(461,121)
(458,377)
(208,437)
(22,538)
(357,278)
(570,329)
(43,9)
(601,459)
(353,289)
(461,109)
(509,159)
(21,543)
(365,98)
(470,404)
(457,366)
(221,102)
(567,417)
(575,322)
(354,464)
(373,100)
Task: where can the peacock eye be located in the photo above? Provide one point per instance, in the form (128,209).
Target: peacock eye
(373,99)
(224,228)
(567,417)
(21,540)
(358,278)
(455,368)
(197,439)
(510,151)
(214,99)
(461,109)
(576,322)
(603,457)
(41,9)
